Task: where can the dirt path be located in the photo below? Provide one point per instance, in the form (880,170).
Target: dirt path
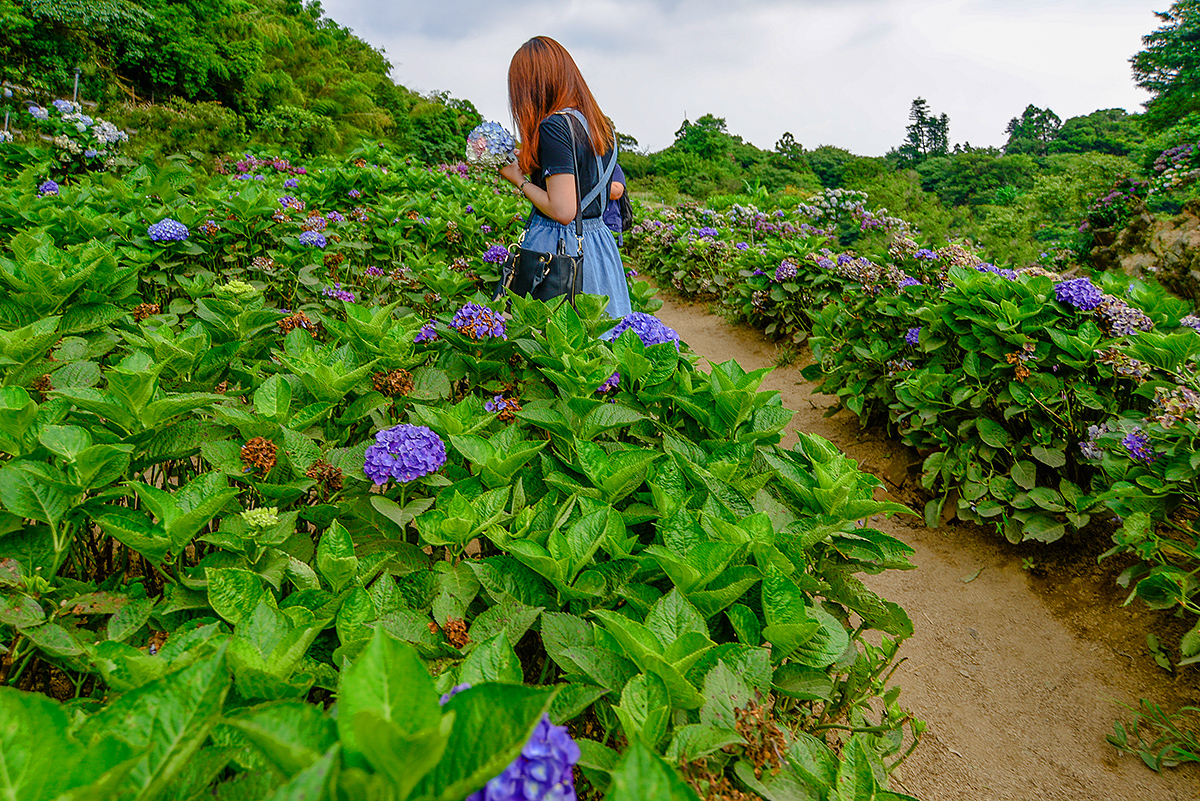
(1018,672)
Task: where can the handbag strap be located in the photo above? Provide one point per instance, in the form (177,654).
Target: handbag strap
(579,205)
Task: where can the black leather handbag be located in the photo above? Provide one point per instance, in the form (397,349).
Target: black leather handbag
(542,275)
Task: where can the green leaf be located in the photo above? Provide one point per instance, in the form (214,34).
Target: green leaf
(642,775)
(993,433)
(1052,457)
(129,618)
(803,683)
(335,556)
(273,399)
(492,660)
(291,735)
(492,723)
(233,593)
(724,692)
(645,709)
(390,680)
(167,719)
(1025,474)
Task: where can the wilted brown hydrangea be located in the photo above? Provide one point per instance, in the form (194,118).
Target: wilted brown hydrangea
(259,453)
(392,383)
(453,235)
(143,310)
(281,216)
(1123,365)
(333,259)
(456,632)
(325,474)
(42,384)
(297,320)
(263,263)
(210,228)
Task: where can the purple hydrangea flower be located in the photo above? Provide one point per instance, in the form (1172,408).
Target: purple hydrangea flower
(495,254)
(64,106)
(334,216)
(742,246)
(925,254)
(455,690)
(404,452)
(913,336)
(650,329)
(984,267)
(167,230)
(786,270)
(1138,446)
(1191,321)
(1080,293)
(610,383)
(543,771)
(427,334)
(825,263)
(354,193)
(337,293)
(707,231)
(48,187)
(290,183)
(375,272)
(90,153)
(907,281)
(315,239)
(499,404)
(39,113)
(479,322)
(843,259)
(469,209)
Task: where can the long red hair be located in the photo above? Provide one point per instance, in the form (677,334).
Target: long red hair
(543,79)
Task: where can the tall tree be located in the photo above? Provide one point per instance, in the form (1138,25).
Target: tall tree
(1032,132)
(789,148)
(927,133)
(706,137)
(1169,67)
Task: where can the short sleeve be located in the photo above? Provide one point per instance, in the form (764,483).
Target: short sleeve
(618,175)
(554,147)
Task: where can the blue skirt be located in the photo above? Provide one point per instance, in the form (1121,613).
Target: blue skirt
(603,272)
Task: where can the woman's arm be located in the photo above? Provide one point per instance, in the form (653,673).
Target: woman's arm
(557,201)
(616,190)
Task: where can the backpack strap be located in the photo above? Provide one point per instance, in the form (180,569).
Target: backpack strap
(605,173)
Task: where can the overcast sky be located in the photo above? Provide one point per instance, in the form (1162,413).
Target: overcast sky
(836,72)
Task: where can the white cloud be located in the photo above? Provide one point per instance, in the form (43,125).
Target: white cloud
(841,73)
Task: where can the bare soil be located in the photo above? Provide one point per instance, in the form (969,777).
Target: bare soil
(1023,655)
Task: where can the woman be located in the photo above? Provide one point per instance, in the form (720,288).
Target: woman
(543,80)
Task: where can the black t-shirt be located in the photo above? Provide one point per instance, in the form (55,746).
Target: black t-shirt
(554,156)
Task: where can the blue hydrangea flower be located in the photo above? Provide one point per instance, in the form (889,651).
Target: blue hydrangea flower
(650,329)
(490,145)
(64,106)
(90,153)
(314,239)
(405,453)
(786,270)
(290,183)
(913,336)
(742,246)
(843,259)
(287,200)
(610,383)
(1080,293)
(337,293)
(354,194)
(707,231)
(167,230)
(427,334)
(455,690)
(543,771)
(39,113)
(48,187)
(334,216)
(1138,446)
(907,281)
(479,322)
(925,254)
(1191,321)
(495,254)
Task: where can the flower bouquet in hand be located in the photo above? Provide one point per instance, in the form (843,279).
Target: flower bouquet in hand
(490,145)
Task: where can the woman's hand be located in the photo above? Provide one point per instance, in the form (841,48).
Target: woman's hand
(512,173)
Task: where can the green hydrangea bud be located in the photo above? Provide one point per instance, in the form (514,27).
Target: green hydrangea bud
(236,289)
(262,517)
